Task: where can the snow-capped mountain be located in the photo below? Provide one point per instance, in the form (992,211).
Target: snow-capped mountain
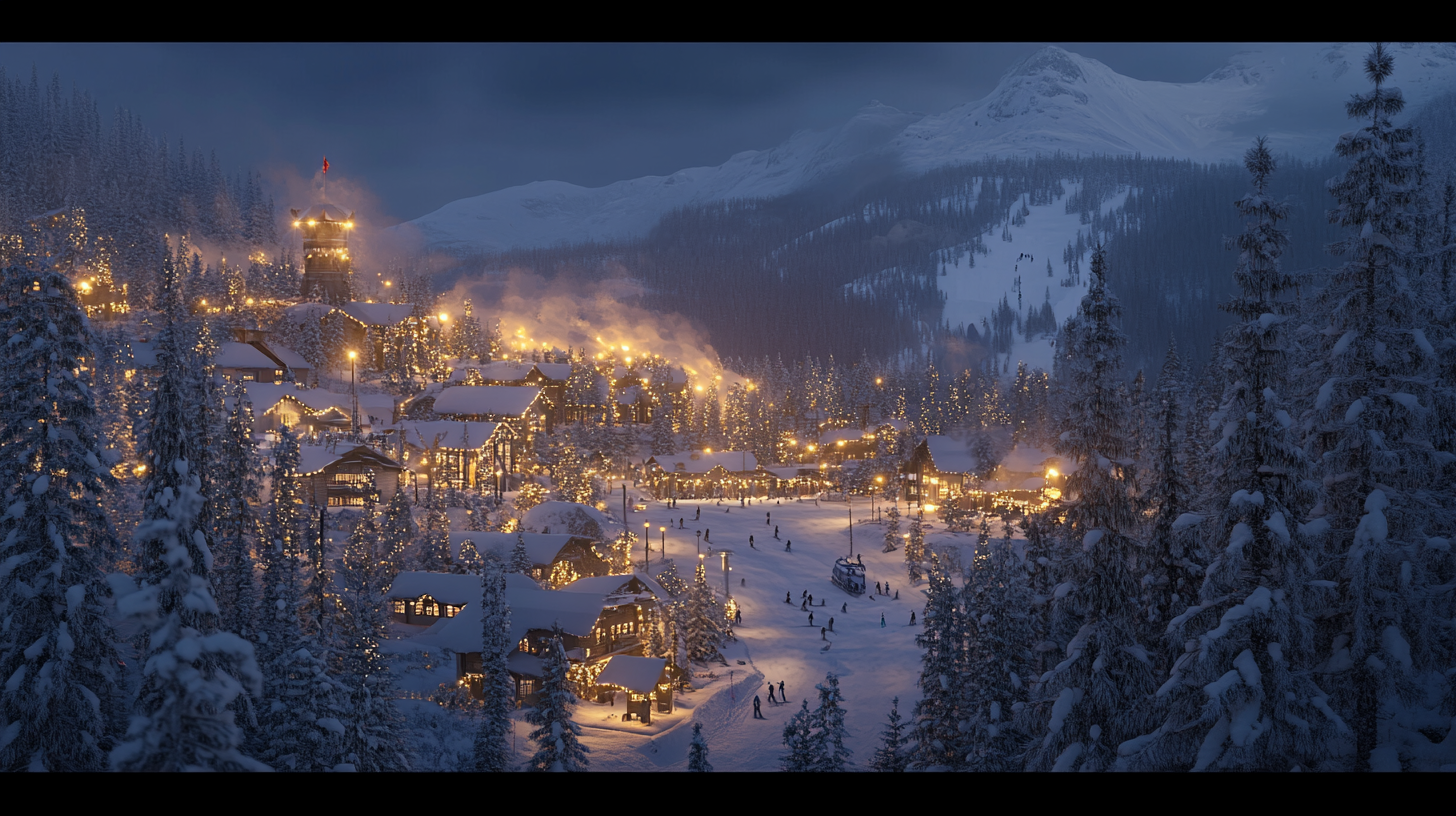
(1052,100)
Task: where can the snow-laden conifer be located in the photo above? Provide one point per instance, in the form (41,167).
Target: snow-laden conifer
(891,756)
(892,528)
(996,679)
(492,741)
(698,751)
(59,708)
(435,538)
(1085,704)
(830,753)
(1171,577)
(183,719)
(937,728)
(238,525)
(557,736)
(1241,696)
(798,742)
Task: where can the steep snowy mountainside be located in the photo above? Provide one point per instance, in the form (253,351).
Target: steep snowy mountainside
(548,212)
(1053,100)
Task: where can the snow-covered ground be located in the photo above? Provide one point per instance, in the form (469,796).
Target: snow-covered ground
(775,642)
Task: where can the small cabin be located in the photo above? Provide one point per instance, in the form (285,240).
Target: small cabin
(423,598)
(645,682)
(338,478)
(555,558)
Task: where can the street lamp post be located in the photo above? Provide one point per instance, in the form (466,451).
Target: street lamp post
(647,546)
(353,397)
(700,541)
(663,531)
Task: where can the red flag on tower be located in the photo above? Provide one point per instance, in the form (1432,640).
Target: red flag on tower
(326,164)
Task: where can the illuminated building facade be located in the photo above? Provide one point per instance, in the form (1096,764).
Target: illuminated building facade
(326,264)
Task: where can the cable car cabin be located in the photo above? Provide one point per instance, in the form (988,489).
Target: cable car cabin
(849,576)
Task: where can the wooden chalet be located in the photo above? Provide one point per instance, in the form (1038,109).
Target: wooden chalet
(938,467)
(466,454)
(602,618)
(308,410)
(245,362)
(336,477)
(366,325)
(702,474)
(549,377)
(524,409)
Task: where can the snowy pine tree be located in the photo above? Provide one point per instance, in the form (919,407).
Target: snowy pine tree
(557,736)
(1093,691)
(238,524)
(997,660)
(183,719)
(59,708)
(492,744)
(890,756)
(698,751)
(830,754)
(798,742)
(435,541)
(706,627)
(892,528)
(937,729)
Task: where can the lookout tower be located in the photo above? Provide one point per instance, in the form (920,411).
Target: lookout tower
(326,262)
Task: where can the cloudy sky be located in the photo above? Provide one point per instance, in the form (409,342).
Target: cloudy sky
(425,124)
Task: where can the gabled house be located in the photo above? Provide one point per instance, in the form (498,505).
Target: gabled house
(556,558)
(467,454)
(338,478)
(702,474)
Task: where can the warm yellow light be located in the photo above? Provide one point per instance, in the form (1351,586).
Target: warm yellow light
(204,301)
(389,283)
(624,348)
(707,450)
(1051,473)
(348,225)
(295,223)
(840,443)
(353,354)
(878,381)
(880,479)
(444,317)
(312,223)
(695,388)
(250,301)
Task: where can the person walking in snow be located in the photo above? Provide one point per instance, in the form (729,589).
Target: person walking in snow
(882,620)
(757,711)
(877,587)
(887,589)
(789,545)
(770,693)
(804,606)
(912,618)
(811,599)
(738,616)
(776,532)
(782,695)
(698,515)
(750,543)
(811,618)
(766,517)
(821,634)
(844,607)
(831,624)
(788,597)
(897,594)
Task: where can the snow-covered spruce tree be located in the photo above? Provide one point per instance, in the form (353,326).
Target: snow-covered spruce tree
(1369,428)
(830,754)
(662,438)
(363,578)
(573,484)
(301,721)
(1086,704)
(435,539)
(238,525)
(492,742)
(557,736)
(59,708)
(183,719)
(892,528)
(999,600)
(285,511)
(798,742)
(698,751)
(1241,697)
(891,756)
(1171,577)
(915,547)
(520,562)
(396,531)
(706,626)
(937,728)
(530,495)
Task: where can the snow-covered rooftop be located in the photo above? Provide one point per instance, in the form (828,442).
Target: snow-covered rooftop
(486,400)
(266,395)
(610,586)
(700,462)
(541,548)
(559,516)
(442,586)
(845,434)
(450,434)
(530,609)
(241,355)
(324,212)
(377,314)
(290,358)
(299,312)
(950,454)
(639,674)
(1027,459)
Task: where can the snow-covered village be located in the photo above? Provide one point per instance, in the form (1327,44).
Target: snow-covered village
(778,463)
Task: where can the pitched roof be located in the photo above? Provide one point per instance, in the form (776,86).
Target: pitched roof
(241,355)
(615,586)
(290,358)
(324,212)
(451,434)
(266,395)
(377,314)
(541,548)
(299,312)
(530,609)
(950,454)
(486,400)
(448,587)
(700,462)
(313,458)
(639,674)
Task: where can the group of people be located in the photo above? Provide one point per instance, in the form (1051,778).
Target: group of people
(757,703)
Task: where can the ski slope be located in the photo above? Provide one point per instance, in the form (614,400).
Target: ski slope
(775,642)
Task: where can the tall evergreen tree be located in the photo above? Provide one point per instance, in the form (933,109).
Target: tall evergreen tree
(492,745)
(938,719)
(1369,427)
(557,736)
(799,742)
(830,753)
(698,751)
(238,523)
(1093,691)
(890,756)
(59,708)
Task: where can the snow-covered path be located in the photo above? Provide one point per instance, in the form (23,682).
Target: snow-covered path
(776,642)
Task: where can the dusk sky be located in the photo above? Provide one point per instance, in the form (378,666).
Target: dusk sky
(425,124)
